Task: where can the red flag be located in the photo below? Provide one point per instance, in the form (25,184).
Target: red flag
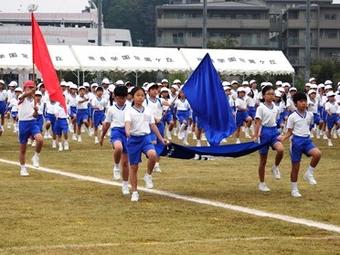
(42,60)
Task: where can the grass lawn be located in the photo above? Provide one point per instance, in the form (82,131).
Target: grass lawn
(48,214)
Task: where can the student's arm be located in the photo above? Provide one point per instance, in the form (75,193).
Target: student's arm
(288,134)
(106,127)
(24,95)
(128,128)
(258,123)
(156,131)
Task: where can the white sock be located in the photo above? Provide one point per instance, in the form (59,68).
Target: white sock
(22,167)
(116,165)
(310,170)
(294,185)
(125,183)
(36,154)
(157,164)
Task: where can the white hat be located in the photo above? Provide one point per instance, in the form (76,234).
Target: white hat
(286,84)
(225,83)
(321,85)
(174,86)
(263,84)
(292,89)
(18,89)
(38,93)
(339,83)
(150,85)
(278,83)
(130,89)
(165,90)
(111,88)
(282,90)
(128,82)
(145,84)
(2,82)
(313,86)
(308,84)
(234,82)
(119,83)
(330,94)
(328,87)
(73,86)
(328,82)
(63,83)
(105,81)
(311,91)
(81,87)
(226,87)
(245,83)
(94,85)
(68,84)
(86,85)
(164,81)
(13,84)
(312,79)
(252,81)
(278,93)
(241,89)
(177,81)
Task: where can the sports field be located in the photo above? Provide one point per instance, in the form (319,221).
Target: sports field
(53,214)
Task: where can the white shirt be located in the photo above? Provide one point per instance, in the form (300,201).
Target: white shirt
(3,95)
(182,105)
(252,101)
(267,115)
(100,103)
(155,106)
(290,105)
(83,105)
(312,105)
(71,100)
(14,104)
(50,108)
(10,95)
(300,124)
(116,115)
(331,107)
(241,104)
(26,109)
(281,106)
(60,112)
(40,108)
(140,120)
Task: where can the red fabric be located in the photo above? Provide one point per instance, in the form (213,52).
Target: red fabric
(42,60)
(29,84)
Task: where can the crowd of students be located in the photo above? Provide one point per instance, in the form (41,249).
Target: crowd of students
(139,118)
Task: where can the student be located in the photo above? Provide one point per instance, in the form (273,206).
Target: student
(28,127)
(10,94)
(313,106)
(280,123)
(99,105)
(115,119)
(298,125)
(3,103)
(13,105)
(61,127)
(332,118)
(184,116)
(168,116)
(241,112)
(138,122)
(40,117)
(71,101)
(50,121)
(266,129)
(82,111)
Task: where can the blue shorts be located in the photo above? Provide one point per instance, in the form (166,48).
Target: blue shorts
(98,118)
(3,107)
(82,115)
(40,122)
(118,134)
(300,145)
(316,118)
(280,120)
(51,118)
(183,116)
(161,128)
(27,128)
(252,111)
(323,114)
(331,120)
(268,135)
(90,111)
(14,115)
(241,117)
(61,127)
(136,145)
(8,109)
(73,111)
(167,118)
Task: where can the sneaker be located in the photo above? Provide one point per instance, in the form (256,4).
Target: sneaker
(148,181)
(335,135)
(238,141)
(45,136)
(74,137)
(35,161)
(54,144)
(79,139)
(116,173)
(49,136)
(24,172)
(157,168)
(60,147)
(295,193)
(224,140)
(194,136)
(66,146)
(29,142)
(96,140)
(330,144)
(325,137)
(247,135)
(34,143)
(125,189)
(134,196)
(310,178)
(263,187)
(197,157)
(276,172)
(311,135)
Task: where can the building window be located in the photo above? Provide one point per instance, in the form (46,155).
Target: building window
(330,33)
(178,38)
(195,34)
(293,15)
(330,16)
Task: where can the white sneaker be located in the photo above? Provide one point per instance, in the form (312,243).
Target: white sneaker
(134,196)
(194,136)
(45,136)
(335,135)
(238,141)
(197,157)
(224,140)
(330,144)
(8,125)
(263,187)
(29,142)
(96,140)
(148,181)
(295,193)
(310,178)
(157,168)
(247,135)
(311,135)
(34,143)
(49,136)
(325,137)
(116,173)
(317,136)
(74,137)
(66,146)
(125,189)
(60,147)
(54,144)
(24,172)
(35,161)
(79,139)
(276,172)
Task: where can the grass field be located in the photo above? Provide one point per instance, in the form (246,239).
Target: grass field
(49,214)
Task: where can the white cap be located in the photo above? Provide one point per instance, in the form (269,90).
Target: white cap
(73,86)
(328,82)
(19,89)
(151,84)
(292,89)
(313,86)
(321,85)
(13,84)
(286,84)
(105,81)
(234,82)
(245,83)
(130,89)
(339,83)
(128,82)
(164,81)
(328,87)
(278,83)
(241,89)
(86,85)
(145,84)
(282,90)
(225,83)
(69,83)
(330,94)
(63,83)
(174,86)
(308,84)
(226,87)
(94,85)
(312,79)
(119,83)
(252,81)
(111,88)
(38,93)
(278,93)
(2,82)
(165,90)
(81,87)
(311,91)
(177,81)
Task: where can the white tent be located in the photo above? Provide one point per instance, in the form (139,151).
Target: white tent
(243,62)
(129,59)
(18,57)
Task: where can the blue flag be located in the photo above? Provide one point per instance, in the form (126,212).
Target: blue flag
(208,101)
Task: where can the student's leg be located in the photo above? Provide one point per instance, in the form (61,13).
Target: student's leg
(22,154)
(151,154)
(133,177)
(118,150)
(79,128)
(279,153)
(295,171)
(262,166)
(315,157)
(39,143)
(125,167)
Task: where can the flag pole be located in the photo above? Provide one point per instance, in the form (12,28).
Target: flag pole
(33,67)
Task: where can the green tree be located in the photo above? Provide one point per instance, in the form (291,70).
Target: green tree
(224,43)
(326,69)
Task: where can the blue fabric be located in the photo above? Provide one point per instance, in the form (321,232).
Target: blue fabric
(73,111)
(14,115)
(167,117)
(232,150)
(118,134)
(2,107)
(183,116)
(300,145)
(207,99)
(98,118)
(27,129)
(241,117)
(137,145)
(158,146)
(331,120)
(268,136)
(40,122)
(61,127)
(316,118)
(252,112)
(82,115)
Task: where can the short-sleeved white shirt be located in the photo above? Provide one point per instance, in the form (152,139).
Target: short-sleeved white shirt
(13,103)
(3,95)
(116,115)
(155,106)
(71,100)
(60,112)
(268,115)
(313,105)
(51,108)
(100,103)
(300,123)
(241,103)
(140,120)
(331,107)
(83,105)
(26,109)
(182,105)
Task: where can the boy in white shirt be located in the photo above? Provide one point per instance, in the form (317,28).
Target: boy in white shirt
(27,112)
(61,127)
(332,116)
(3,103)
(98,104)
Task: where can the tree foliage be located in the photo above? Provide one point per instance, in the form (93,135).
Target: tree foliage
(326,69)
